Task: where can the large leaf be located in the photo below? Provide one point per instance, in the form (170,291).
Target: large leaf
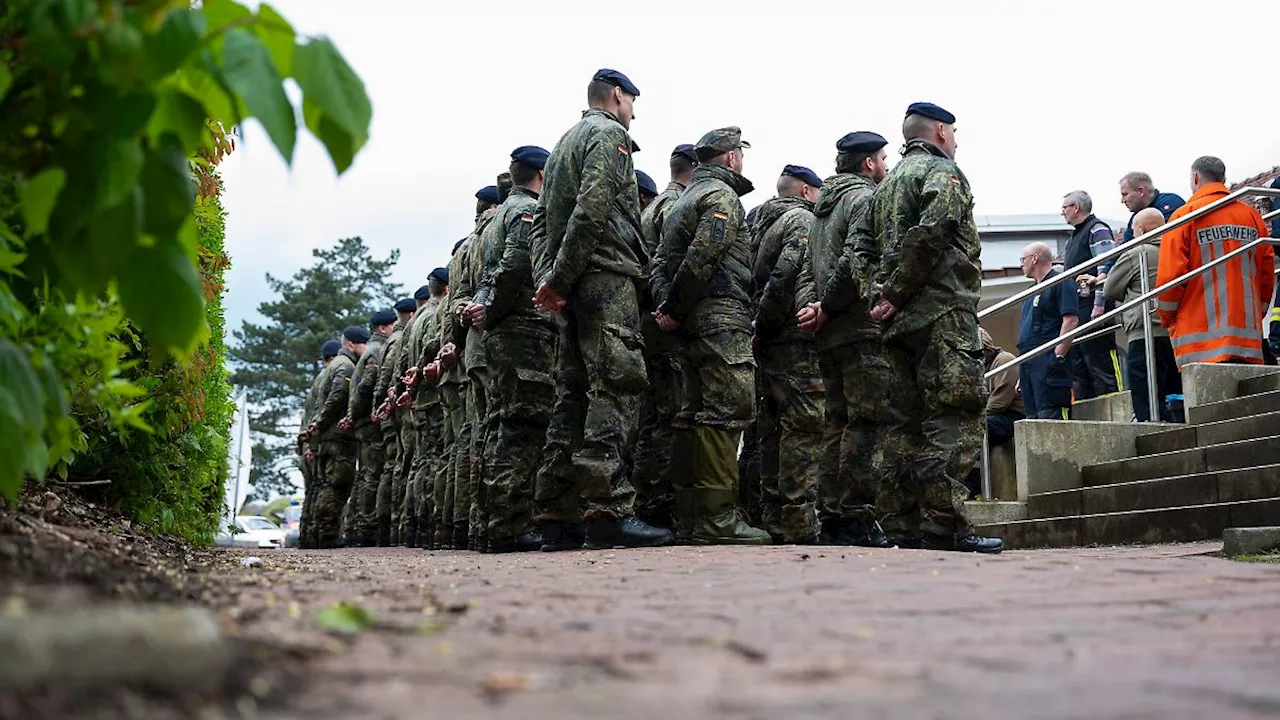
(6,79)
(178,113)
(220,13)
(169,191)
(329,83)
(162,295)
(250,72)
(39,197)
(278,36)
(341,146)
(20,387)
(176,39)
(122,164)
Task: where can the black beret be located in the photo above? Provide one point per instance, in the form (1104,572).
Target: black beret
(423,293)
(456,246)
(803,174)
(531,155)
(646,183)
(441,274)
(406,305)
(932,112)
(617,79)
(687,151)
(357,335)
(382,317)
(488,194)
(330,348)
(861,142)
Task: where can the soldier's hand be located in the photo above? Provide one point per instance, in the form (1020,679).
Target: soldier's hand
(883,310)
(345,423)
(475,314)
(410,378)
(548,300)
(665,321)
(447,358)
(404,401)
(432,372)
(811,318)
(308,454)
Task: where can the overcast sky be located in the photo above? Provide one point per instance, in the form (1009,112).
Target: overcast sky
(1048,97)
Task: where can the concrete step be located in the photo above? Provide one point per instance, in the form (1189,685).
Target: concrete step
(1260,384)
(1193,436)
(1258,404)
(1163,525)
(1116,407)
(1255,483)
(1223,456)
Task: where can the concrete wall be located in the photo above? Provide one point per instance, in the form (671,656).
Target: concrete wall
(1050,453)
(1204,383)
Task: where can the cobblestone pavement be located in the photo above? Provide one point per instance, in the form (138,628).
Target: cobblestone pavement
(786,632)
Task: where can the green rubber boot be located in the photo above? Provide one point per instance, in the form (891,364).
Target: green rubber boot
(718,520)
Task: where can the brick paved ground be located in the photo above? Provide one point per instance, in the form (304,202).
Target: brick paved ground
(1150,632)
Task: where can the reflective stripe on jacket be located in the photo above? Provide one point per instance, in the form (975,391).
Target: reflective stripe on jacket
(1218,315)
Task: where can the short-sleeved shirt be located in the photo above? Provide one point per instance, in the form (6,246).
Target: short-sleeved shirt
(1042,313)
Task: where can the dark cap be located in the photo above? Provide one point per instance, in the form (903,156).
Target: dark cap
(720,141)
(646,183)
(488,194)
(330,348)
(803,174)
(931,111)
(861,142)
(440,273)
(617,79)
(456,246)
(355,334)
(406,305)
(382,317)
(686,150)
(531,155)
(423,293)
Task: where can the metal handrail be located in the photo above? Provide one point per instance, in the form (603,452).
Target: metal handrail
(1094,262)
(1093,324)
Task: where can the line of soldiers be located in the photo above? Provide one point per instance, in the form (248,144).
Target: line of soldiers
(583,373)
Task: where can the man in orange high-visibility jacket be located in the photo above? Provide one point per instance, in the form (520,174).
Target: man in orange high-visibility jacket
(1218,315)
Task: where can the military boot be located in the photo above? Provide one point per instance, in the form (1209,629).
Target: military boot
(717,519)
(460,531)
(558,536)
(685,516)
(799,524)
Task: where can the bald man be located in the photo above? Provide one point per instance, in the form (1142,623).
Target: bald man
(1046,380)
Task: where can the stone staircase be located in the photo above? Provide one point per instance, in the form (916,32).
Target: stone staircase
(1112,483)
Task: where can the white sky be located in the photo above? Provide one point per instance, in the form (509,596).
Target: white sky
(1048,98)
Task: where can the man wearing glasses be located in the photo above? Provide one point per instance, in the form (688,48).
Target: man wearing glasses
(1046,380)
(1096,366)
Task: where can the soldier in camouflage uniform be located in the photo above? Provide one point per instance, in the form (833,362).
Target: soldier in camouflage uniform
(421,399)
(359,421)
(452,412)
(520,348)
(854,366)
(652,467)
(454,379)
(336,451)
(921,243)
(306,446)
(392,498)
(466,279)
(588,257)
(702,284)
(789,381)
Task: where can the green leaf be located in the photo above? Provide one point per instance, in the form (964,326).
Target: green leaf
(249,71)
(6,79)
(169,192)
(205,86)
(163,296)
(173,43)
(110,241)
(342,148)
(178,113)
(332,86)
(39,198)
(278,36)
(21,388)
(220,13)
(122,164)
(344,617)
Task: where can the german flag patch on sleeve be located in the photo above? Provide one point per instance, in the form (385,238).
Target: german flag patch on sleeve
(719,223)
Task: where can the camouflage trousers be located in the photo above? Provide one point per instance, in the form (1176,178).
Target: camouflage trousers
(478,422)
(651,464)
(600,376)
(859,389)
(444,491)
(388,506)
(523,393)
(373,458)
(934,436)
(719,393)
(425,440)
(789,425)
(459,463)
(310,488)
(335,469)
(402,487)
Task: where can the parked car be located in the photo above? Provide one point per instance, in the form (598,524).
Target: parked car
(253,531)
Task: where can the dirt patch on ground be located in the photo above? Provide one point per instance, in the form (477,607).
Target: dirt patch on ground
(61,554)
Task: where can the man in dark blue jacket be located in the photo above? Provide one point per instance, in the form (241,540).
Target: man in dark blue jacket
(1046,380)
(1138,193)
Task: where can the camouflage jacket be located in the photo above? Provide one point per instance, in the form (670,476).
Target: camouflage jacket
(702,275)
(464,286)
(653,217)
(446,326)
(789,288)
(919,240)
(387,377)
(506,287)
(337,393)
(419,347)
(588,216)
(363,381)
(315,396)
(778,221)
(842,201)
